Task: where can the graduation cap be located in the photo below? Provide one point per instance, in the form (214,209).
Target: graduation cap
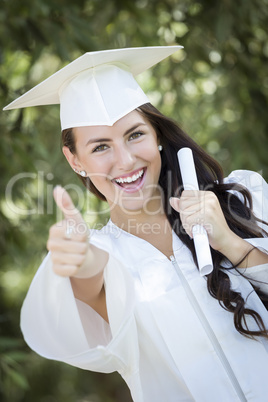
(98,88)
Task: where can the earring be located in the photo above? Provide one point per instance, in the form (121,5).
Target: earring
(82,173)
(160,147)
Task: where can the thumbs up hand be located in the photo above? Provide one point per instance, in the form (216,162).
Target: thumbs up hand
(72,216)
(71,253)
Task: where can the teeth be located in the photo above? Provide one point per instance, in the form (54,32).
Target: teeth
(130,179)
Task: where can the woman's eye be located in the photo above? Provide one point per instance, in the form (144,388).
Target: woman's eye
(135,135)
(100,148)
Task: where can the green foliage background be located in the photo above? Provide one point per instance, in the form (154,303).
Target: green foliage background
(217,88)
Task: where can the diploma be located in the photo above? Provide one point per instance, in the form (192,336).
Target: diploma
(200,237)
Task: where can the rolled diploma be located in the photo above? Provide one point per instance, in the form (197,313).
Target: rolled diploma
(200,237)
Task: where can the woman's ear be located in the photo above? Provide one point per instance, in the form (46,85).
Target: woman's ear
(71,158)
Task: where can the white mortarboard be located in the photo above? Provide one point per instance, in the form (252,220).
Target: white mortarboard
(98,88)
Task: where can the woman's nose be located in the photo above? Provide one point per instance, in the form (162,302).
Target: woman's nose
(124,158)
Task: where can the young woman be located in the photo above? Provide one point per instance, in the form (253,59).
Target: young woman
(130,298)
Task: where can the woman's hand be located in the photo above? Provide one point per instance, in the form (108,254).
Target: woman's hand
(68,242)
(203,208)
(74,257)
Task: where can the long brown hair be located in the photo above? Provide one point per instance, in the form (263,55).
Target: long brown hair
(238,214)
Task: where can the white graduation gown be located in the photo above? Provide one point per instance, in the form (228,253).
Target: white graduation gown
(167,337)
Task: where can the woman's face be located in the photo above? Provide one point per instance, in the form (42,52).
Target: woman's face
(122,161)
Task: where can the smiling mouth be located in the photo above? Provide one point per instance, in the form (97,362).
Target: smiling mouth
(132,182)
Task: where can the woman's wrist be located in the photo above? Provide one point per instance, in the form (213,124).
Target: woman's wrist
(94,264)
(237,251)
(242,254)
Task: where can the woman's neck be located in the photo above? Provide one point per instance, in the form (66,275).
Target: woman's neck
(155,229)
(150,220)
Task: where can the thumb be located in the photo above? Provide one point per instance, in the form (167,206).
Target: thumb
(174,202)
(65,203)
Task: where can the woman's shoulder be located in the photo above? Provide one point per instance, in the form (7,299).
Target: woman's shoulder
(248,178)
(108,237)
(101,235)
(257,187)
